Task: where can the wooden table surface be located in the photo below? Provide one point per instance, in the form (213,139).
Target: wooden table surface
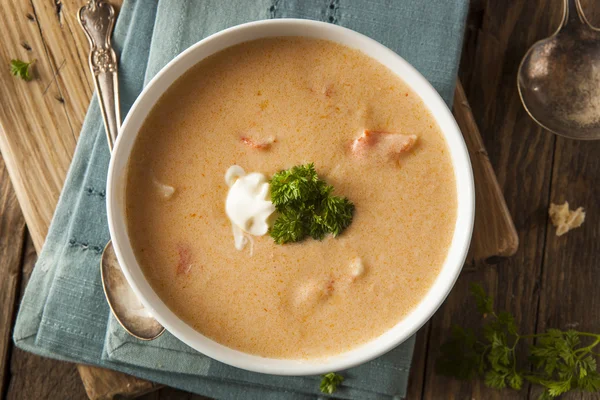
(550,282)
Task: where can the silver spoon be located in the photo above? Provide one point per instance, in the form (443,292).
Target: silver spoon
(559,77)
(97,19)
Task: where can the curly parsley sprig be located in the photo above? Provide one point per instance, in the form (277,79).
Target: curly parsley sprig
(561,363)
(306,206)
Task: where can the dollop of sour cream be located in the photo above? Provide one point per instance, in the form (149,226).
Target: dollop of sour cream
(248,205)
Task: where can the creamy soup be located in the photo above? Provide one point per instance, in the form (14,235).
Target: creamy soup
(266,106)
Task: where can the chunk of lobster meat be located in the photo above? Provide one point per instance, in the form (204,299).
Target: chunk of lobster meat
(382,143)
(166,191)
(357,268)
(259,144)
(311,293)
(184,263)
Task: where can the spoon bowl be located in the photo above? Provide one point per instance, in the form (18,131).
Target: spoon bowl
(559,78)
(126,307)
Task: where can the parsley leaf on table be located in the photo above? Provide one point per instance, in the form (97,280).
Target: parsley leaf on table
(21,69)
(330,382)
(561,362)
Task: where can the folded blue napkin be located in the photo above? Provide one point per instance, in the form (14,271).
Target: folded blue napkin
(64,314)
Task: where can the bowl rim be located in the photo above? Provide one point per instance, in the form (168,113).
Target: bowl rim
(407,326)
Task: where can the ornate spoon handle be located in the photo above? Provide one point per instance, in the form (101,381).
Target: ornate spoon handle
(97,19)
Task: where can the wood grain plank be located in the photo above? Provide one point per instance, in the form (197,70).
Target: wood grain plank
(12,239)
(101,383)
(59,97)
(66,48)
(34,126)
(569,296)
(522,156)
(35,377)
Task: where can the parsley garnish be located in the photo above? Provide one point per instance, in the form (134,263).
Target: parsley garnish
(21,69)
(561,363)
(306,206)
(330,382)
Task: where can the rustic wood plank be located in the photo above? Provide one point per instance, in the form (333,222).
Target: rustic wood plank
(522,155)
(35,377)
(34,127)
(60,93)
(103,384)
(569,298)
(66,47)
(12,239)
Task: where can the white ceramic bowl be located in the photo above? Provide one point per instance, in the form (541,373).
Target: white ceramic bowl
(290,27)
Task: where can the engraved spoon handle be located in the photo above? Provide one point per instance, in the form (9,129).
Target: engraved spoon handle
(97,19)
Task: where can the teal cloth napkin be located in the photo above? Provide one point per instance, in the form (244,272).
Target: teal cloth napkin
(64,314)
